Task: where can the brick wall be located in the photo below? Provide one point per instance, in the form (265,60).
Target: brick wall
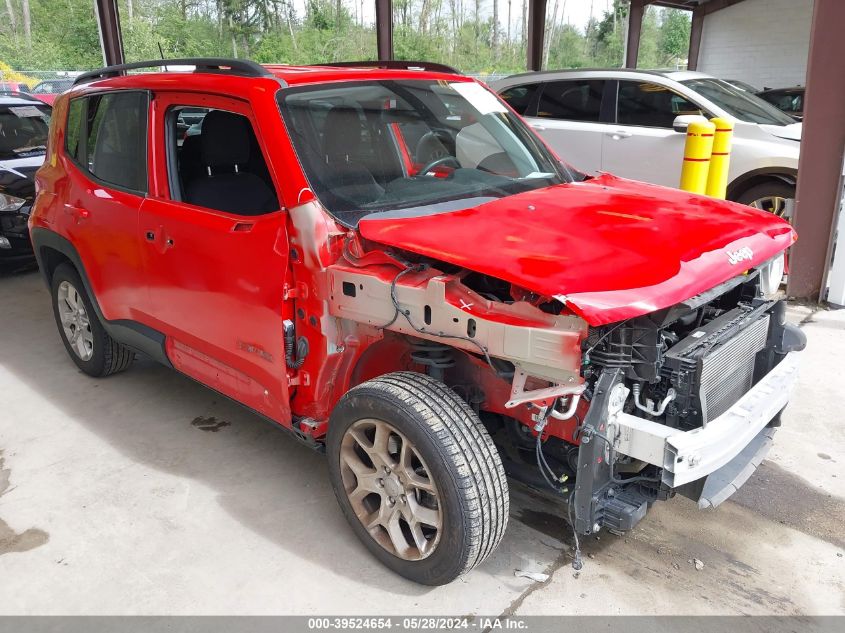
(763,42)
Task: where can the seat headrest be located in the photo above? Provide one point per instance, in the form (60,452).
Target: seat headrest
(225,139)
(341,133)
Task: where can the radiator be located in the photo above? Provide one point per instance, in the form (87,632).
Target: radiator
(727,370)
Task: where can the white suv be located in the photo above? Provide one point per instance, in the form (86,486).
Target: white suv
(633,122)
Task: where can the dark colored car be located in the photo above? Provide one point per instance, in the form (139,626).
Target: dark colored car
(24,124)
(790,100)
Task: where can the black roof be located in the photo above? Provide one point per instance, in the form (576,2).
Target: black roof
(13,98)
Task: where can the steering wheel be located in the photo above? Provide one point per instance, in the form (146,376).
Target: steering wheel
(437,162)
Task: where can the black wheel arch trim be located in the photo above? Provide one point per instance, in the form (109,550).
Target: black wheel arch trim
(787,175)
(137,336)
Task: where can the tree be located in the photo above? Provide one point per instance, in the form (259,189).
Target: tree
(464,33)
(27,24)
(674,36)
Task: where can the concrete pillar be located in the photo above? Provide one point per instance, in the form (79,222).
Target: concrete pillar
(822,151)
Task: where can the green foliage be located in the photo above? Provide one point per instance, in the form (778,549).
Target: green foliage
(64,33)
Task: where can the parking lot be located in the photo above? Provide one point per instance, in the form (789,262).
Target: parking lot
(147,493)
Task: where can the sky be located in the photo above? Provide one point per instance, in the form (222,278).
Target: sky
(575,12)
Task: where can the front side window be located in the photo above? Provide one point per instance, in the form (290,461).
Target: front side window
(651,105)
(116,146)
(576,100)
(217,163)
(738,103)
(412,146)
(23,130)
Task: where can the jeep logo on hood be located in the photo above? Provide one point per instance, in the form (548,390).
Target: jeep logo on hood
(734,257)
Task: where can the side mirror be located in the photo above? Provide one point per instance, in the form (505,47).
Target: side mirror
(682,121)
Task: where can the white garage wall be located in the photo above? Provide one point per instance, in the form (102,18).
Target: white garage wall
(763,42)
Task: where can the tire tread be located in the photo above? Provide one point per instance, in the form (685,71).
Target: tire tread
(468,446)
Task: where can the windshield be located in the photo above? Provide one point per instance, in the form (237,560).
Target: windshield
(743,105)
(23,130)
(416,145)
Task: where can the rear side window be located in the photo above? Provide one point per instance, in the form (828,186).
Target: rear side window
(651,105)
(575,100)
(73,131)
(107,137)
(117,139)
(520,97)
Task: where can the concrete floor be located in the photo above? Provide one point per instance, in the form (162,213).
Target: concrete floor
(146,493)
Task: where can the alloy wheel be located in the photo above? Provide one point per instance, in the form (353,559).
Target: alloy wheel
(776,205)
(390,489)
(75,321)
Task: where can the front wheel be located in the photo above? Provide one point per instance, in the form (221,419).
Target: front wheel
(417,476)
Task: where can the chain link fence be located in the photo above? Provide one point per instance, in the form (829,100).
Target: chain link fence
(46,81)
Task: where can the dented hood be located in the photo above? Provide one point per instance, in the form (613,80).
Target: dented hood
(609,248)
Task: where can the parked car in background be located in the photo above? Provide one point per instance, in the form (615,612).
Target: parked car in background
(14,86)
(633,123)
(47,90)
(24,123)
(388,262)
(736,83)
(789,100)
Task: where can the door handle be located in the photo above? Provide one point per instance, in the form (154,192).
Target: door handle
(619,134)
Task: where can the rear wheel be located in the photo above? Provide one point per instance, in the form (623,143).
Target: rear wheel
(85,339)
(417,476)
(770,196)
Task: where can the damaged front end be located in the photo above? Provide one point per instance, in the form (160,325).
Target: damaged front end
(684,400)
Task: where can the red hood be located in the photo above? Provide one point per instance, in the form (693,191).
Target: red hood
(610,248)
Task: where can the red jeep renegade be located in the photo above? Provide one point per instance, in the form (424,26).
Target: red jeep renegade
(385,260)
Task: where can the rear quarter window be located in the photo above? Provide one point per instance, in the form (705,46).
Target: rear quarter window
(520,97)
(73,132)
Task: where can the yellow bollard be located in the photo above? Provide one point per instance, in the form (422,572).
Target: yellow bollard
(717,178)
(697,151)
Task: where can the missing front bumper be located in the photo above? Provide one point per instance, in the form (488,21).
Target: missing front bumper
(688,456)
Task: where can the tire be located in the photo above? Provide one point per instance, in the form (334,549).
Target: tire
(456,458)
(761,197)
(93,350)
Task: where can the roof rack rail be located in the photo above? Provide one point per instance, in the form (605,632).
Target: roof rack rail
(241,67)
(396,64)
